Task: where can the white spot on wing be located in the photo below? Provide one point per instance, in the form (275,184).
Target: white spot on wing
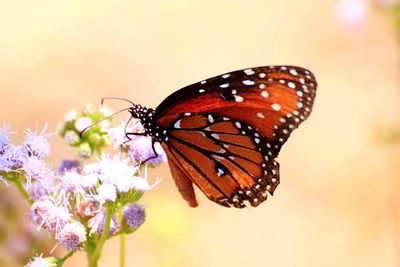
(216,136)
(226,76)
(260,115)
(225,85)
(249,71)
(293,72)
(201,90)
(210,118)
(291,85)
(177,124)
(265,94)
(276,107)
(238,98)
(248,82)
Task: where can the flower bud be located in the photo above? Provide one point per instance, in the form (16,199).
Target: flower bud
(85,151)
(71,138)
(134,216)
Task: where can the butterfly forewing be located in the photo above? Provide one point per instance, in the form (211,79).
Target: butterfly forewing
(225,132)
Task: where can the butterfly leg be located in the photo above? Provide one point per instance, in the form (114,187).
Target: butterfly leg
(154,150)
(128,134)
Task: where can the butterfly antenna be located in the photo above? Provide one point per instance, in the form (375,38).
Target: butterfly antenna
(97,122)
(116,98)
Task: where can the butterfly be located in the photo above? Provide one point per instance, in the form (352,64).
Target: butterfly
(223,134)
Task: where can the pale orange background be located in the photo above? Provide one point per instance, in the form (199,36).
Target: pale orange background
(337,201)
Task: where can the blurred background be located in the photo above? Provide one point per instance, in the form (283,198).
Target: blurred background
(338,201)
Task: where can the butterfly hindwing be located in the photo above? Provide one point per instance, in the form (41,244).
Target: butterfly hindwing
(229,164)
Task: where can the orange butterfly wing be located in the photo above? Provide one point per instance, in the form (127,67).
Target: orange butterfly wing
(225,132)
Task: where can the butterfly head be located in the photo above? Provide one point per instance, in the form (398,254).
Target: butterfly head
(138,111)
(145,116)
(142,113)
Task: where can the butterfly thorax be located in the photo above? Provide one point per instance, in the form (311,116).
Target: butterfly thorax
(145,116)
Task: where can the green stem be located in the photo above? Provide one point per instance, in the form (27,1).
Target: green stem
(122,250)
(99,246)
(22,190)
(67,256)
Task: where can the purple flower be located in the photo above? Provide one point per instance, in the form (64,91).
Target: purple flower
(70,183)
(37,144)
(134,216)
(72,236)
(41,189)
(47,214)
(140,148)
(97,224)
(4,136)
(35,168)
(12,158)
(74,184)
(68,165)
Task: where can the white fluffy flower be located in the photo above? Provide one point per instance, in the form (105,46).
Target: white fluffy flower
(71,115)
(83,123)
(106,192)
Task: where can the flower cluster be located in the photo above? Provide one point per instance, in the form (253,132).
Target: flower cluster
(24,159)
(80,130)
(81,204)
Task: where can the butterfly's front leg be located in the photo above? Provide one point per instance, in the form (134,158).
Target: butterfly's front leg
(137,134)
